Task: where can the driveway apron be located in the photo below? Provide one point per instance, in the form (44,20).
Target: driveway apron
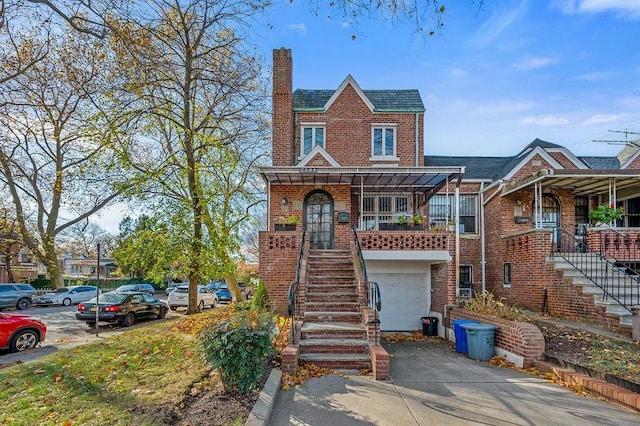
(431,384)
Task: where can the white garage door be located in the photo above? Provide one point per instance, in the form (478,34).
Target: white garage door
(404,300)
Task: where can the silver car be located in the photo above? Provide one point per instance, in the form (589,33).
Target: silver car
(16,295)
(180,297)
(68,295)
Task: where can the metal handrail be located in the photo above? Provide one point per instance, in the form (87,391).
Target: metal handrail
(621,248)
(293,296)
(616,284)
(356,242)
(374,299)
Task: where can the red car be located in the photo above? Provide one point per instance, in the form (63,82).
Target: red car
(20,332)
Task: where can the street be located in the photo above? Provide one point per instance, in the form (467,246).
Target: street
(62,325)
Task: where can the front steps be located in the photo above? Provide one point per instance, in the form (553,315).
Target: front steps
(623,287)
(332,334)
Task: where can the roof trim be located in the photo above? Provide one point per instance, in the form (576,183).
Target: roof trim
(630,160)
(317,149)
(349,81)
(570,156)
(537,150)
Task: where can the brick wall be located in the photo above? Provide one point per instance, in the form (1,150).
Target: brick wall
(282,108)
(520,338)
(278,260)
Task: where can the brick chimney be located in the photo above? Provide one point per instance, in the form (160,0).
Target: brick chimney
(282,109)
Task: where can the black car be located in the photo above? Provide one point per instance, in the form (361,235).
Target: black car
(125,308)
(143,288)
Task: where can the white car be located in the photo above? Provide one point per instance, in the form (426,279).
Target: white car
(66,296)
(180,297)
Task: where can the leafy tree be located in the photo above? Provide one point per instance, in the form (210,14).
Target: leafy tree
(56,159)
(200,122)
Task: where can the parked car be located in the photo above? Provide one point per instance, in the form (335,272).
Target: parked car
(16,295)
(125,308)
(180,297)
(143,288)
(246,291)
(68,295)
(20,332)
(216,284)
(224,295)
(173,286)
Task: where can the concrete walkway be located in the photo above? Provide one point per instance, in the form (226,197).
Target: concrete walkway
(432,385)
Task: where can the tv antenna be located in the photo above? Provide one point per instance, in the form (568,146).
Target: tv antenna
(626,140)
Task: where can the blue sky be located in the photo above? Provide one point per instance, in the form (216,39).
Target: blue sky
(496,77)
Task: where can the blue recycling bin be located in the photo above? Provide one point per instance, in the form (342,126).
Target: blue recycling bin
(480,340)
(461,334)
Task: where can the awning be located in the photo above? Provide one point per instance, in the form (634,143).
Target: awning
(426,180)
(582,182)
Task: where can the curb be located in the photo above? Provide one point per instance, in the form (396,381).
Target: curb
(608,391)
(259,415)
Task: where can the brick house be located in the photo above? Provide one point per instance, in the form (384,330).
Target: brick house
(349,165)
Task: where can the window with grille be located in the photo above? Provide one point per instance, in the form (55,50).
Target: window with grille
(383,209)
(312,135)
(383,143)
(441,208)
(507,275)
(465,286)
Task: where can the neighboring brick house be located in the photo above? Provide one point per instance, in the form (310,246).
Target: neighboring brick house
(353,158)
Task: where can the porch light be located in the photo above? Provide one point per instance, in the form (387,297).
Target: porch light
(284,202)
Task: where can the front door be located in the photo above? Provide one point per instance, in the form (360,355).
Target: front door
(318,219)
(550,217)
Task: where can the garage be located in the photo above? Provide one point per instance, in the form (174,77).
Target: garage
(405,299)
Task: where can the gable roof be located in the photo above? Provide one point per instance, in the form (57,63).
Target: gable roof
(377,100)
(496,168)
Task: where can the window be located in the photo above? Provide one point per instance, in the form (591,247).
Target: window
(383,208)
(465,286)
(507,275)
(441,208)
(383,141)
(312,135)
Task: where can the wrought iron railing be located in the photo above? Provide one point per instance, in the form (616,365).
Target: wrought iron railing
(372,290)
(616,284)
(293,297)
(621,248)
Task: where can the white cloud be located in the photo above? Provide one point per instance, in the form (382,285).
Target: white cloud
(625,8)
(300,28)
(599,119)
(548,121)
(458,73)
(533,62)
(498,23)
(595,76)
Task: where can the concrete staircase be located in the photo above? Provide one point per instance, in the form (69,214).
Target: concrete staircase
(332,333)
(623,285)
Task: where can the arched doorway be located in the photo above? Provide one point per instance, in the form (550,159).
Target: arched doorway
(318,219)
(549,216)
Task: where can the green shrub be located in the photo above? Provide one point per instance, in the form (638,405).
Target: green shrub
(260,301)
(238,348)
(486,303)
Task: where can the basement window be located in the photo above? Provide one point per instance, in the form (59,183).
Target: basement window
(507,275)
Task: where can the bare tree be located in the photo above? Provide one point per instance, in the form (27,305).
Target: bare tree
(55,139)
(82,239)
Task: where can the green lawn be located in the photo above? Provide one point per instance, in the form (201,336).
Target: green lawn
(107,382)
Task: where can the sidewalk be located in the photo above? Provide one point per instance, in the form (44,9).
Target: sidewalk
(432,385)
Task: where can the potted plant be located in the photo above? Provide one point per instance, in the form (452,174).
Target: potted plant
(605,214)
(288,223)
(417,221)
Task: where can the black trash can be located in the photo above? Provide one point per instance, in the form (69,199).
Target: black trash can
(429,326)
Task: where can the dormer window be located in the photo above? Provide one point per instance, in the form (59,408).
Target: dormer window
(383,142)
(312,135)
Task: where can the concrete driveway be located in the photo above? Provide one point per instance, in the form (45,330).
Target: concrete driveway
(432,385)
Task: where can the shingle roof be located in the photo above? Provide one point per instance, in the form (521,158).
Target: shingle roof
(493,168)
(382,100)
(484,168)
(601,163)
